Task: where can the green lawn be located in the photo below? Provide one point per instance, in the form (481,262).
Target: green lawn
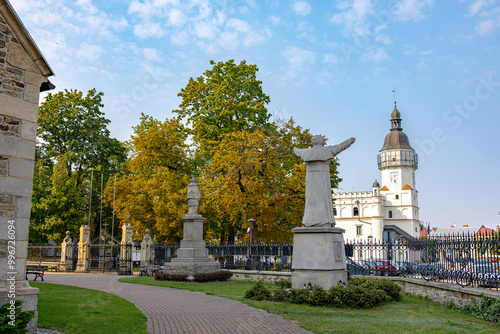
(78,310)
(411,315)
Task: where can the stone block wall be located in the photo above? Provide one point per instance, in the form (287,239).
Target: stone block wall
(20,80)
(255,275)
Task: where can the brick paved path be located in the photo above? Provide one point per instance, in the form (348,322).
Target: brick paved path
(181,311)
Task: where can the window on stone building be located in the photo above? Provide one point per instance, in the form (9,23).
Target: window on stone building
(334,211)
(355,212)
(359,230)
(389,214)
(397,196)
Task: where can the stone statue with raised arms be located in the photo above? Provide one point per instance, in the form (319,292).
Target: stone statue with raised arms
(319,209)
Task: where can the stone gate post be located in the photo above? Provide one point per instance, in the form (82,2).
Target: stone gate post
(66,251)
(83,250)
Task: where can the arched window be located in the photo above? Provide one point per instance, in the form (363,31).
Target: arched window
(334,211)
(355,212)
(389,214)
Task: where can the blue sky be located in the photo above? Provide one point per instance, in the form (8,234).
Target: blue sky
(332,65)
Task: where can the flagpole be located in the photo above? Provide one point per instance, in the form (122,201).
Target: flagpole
(90,196)
(113,219)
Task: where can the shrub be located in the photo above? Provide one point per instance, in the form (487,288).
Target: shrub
(258,291)
(161,276)
(280,295)
(284,283)
(18,326)
(389,287)
(299,296)
(318,296)
(222,275)
(487,309)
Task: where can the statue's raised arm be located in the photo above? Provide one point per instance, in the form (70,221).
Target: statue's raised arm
(344,145)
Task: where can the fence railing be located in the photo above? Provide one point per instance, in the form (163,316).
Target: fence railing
(463,260)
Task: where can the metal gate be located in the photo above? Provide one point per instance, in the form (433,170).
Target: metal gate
(71,256)
(108,257)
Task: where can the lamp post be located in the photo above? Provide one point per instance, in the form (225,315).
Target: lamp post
(251,221)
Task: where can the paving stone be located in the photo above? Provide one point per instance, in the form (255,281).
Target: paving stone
(181,311)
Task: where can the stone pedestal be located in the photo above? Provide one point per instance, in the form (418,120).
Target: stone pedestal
(318,257)
(192,255)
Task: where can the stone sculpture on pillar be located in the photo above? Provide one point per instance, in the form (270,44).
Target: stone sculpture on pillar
(192,256)
(146,254)
(318,246)
(83,250)
(66,252)
(126,249)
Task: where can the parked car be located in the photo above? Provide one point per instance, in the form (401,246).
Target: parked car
(357,269)
(384,268)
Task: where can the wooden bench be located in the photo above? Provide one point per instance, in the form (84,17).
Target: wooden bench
(36,270)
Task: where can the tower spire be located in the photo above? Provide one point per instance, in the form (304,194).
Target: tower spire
(394,91)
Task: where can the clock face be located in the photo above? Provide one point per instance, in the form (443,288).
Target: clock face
(394,176)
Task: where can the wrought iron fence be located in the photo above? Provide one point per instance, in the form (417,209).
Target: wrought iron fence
(276,257)
(465,260)
(44,253)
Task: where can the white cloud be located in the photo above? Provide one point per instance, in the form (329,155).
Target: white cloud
(152,54)
(87,6)
(89,52)
(476,7)
(412,10)
(176,18)
(331,58)
(238,25)
(376,55)
(485,27)
(299,58)
(205,30)
(384,39)
(353,17)
(301,8)
(147,30)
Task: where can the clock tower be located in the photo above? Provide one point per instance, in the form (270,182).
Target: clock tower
(397,163)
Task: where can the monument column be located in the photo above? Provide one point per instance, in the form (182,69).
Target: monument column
(192,256)
(126,249)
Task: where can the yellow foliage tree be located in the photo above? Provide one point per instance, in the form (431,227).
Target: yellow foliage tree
(151,193)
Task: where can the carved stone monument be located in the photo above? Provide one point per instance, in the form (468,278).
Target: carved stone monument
(126,249)
(146,254)
(83,250)
(192,256)
(318,246)
(66,252)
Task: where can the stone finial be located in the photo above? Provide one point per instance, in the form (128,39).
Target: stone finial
(193,197)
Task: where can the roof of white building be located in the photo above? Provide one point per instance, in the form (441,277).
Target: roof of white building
(450,231)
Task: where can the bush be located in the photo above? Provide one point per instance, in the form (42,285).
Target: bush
(487,309)
(222,275)
(318,296)
(284,283)
(361,293)
(161,276)
(21,318)
(258,291)
(299,296)
(389,287)
(280,295)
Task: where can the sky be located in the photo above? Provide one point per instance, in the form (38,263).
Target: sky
(331,65)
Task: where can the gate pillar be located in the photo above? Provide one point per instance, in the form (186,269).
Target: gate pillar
(83,250)
(66,252)
(126,249)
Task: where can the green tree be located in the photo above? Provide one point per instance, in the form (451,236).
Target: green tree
(226,98)
(73,141)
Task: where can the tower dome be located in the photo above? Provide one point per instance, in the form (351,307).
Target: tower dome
(396,139)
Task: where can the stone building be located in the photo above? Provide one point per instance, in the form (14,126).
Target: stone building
(389,209)
(23,75)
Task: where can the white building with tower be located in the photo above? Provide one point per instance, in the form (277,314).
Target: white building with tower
(390,208)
